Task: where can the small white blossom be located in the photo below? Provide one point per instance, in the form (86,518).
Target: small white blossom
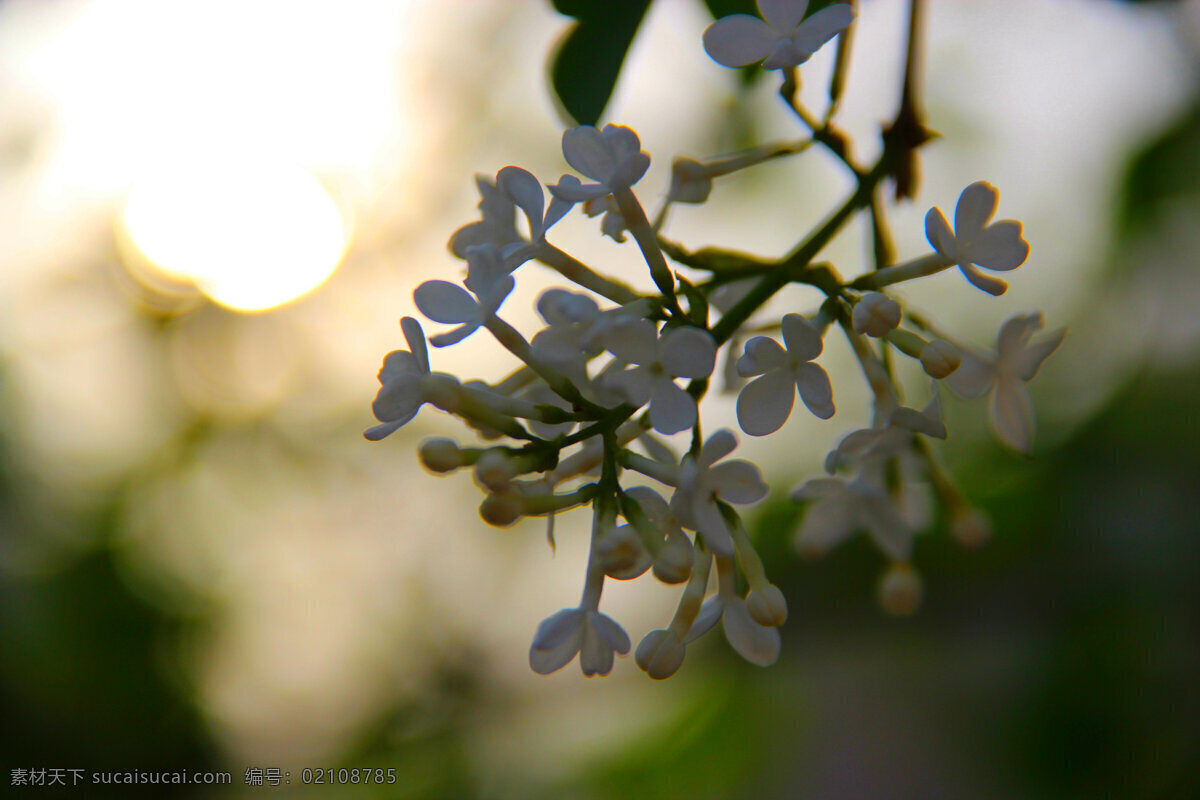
(893,438)
(1016,363)
(586,632)
(513,188)
(613,157)
(680,353)
(703,482)
(766,402)
(785,39)
(973,242)
(839,509)
(489,279)
(674,561)
(400,393)
(876,314)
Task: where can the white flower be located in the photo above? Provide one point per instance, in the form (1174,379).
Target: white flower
(592,635)
(892,439)
(514,187)
(703,482)
(786,39)
(1016,362)
(973,242)
(766,402)
(876,314)
(758,644)
(680,353)
(400,393)
(839,509)
(488,278)
(570,317)
(613,157)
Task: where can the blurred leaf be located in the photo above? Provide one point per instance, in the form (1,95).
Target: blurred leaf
(1166,169)
(587,61)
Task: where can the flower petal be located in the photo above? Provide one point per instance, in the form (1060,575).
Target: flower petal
(1015,334)
(853,444)
(416,342)
(802,338)
(635,341)
(386,429)
(635,385)
(765,404)
(738,482)
(709,616)
(761,354)
(822,26)
(716,447)
(557,628)
(454,336)
(595,656)
(573,191)
(756,643)
(610,632)
(560,644)
(1012,414)
(526,191)
(973,377)
(993,286)
(671,408)
(688,353)
(937,231)
(446,302)
(1000,246)
(975,207)
(885,525)
(1026,363)
(738,40)
(587,152)
(783,15)
(815,389)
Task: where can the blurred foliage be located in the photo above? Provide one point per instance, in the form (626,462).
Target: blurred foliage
(586,63)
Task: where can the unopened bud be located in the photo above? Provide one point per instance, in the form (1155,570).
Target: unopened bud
(767,606)
(940,358)
(970,527)
(875,314)
(674,562)
(660,654)
(621,554)
(495,470)
(900,590)
(440,455)
(501,510)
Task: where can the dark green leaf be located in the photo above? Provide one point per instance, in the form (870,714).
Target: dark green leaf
(587,61)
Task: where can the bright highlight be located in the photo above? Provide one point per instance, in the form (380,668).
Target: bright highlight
(251,234)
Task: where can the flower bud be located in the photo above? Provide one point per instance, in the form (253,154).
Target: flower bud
(440,455)
(970,527)
(501,510)
(660,654)
(495,470)
(621,554)
(674,562)
(875,314)
(767,606)
(900,590)
(940,358)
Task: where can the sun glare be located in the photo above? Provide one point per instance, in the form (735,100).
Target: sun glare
(251,234)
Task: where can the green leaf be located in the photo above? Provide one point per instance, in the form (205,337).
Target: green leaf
(587,61)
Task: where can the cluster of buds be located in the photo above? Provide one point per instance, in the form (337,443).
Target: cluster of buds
(588,417)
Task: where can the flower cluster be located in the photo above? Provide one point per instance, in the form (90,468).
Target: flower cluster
(590,413)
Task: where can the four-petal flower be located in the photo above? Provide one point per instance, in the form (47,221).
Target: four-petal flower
(400,393)
(1016,362)
(973,242)
(703,483)
(785,39)
(680,353)
(766,402)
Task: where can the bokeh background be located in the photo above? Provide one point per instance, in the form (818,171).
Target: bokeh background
(212,215)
